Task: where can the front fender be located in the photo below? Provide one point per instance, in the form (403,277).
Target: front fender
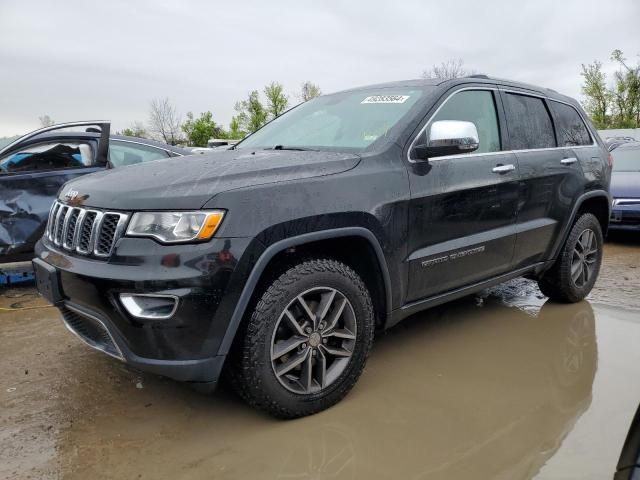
(281,245)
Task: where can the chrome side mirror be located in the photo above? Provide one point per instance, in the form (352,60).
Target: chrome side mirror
(448,137)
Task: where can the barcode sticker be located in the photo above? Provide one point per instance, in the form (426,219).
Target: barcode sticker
(386,99)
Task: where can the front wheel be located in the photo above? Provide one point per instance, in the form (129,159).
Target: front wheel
(576,269)
(307,340)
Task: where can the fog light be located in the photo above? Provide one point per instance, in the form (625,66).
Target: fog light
(149,306)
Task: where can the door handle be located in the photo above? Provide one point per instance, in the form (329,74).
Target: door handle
(568,161)
(503,168)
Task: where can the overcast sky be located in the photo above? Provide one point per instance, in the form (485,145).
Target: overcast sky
(77,60)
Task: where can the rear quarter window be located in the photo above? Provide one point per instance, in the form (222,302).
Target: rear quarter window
(528,122)
(571,129)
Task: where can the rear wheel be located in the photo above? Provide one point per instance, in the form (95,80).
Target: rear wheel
(576,269)
(307,340)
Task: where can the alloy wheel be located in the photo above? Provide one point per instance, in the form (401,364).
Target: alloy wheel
(313,340)
(584,259)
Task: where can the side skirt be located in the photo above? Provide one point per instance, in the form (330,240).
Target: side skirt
(419,305)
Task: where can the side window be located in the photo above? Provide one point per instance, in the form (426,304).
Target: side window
(128,153)
(528,122)
(47,156)
(571,129)
(479,107)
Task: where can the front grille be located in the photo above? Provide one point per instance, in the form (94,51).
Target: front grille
(85,231)
(90,330)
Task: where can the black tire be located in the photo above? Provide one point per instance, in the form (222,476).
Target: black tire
(253,370)
(558,283)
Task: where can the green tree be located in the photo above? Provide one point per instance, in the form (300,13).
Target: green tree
(626,93)
(597,96)
(199,130)
(235,129)
(615,106)
(135,130)
(251,113)
(277,101)
(309,90)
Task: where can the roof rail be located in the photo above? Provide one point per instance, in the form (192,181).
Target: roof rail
(479,75)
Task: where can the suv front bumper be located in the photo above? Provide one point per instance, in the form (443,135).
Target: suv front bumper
(205,279)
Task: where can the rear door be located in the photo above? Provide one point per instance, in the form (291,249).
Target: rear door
(463,207)
(32,171)
(550,177)
(583,152)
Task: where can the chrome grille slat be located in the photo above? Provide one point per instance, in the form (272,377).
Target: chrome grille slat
(65,225)
(108,229)
(94,231)
(84,241)
(85,231)
(52,214)
(71,223)
(76,233)
(62,212)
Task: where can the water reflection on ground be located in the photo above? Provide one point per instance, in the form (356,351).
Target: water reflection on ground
(502,385)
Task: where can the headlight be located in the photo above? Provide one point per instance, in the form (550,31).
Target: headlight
(173,227)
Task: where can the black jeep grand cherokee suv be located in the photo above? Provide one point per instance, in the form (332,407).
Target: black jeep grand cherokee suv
(278,259)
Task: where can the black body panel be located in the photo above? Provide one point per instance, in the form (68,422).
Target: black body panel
(437,229)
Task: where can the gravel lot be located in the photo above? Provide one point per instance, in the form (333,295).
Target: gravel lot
(499,385)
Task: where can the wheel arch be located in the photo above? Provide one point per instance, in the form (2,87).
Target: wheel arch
(597,202)
(266,259)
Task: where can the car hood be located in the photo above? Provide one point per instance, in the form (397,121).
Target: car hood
(625,184)
(189,182)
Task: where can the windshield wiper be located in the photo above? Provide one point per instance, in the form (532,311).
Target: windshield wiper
(284,147)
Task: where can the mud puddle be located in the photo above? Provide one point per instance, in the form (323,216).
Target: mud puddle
(501,385)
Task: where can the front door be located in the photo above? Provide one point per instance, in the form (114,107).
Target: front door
(463,207)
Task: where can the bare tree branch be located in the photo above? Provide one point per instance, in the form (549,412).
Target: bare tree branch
(46,121)
(452,68)
(164,122)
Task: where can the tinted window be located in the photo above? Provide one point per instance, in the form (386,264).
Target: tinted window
(128,153)
(528,122)
(48,156)
(571,129)
(478,107)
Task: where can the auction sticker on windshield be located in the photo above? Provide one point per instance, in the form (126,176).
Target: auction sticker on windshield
(386,99)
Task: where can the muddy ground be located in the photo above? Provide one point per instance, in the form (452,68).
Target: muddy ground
(499,385)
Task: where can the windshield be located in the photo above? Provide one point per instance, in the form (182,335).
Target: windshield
(349,121)
(626,160)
